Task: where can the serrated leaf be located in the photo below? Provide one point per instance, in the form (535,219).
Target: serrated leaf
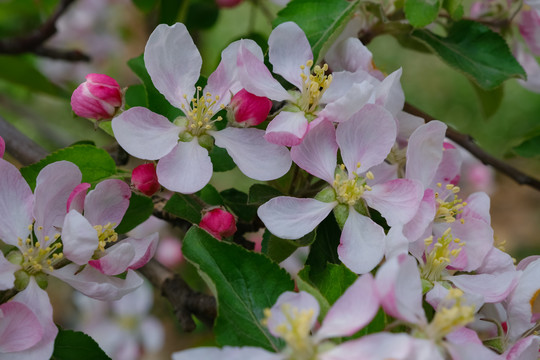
(221,160)
(139,210)
(490,100)
(529,148)
(237,202)
(136,96)
(70,345)
(95,163)
(184,207)
(454,8)
(422,12)
(260,193)
(245,283)
(322,21)
(279,249)
(475,50)
(332,280)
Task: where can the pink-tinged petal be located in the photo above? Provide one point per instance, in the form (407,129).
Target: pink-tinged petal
(382,173)
(96,285)
(529,27)
(54,185)
(229,56)
(478,238)
(362,243)
(343,81)
(107,203)
(257,79)
(425,152)
(291,218)
(531,67)
(227,353)
(519,308)
(389,94)
(136,303)
(407,124)
(317,154)
(79,238)
(20,328)
(173,62)
(463,335)
(116,260)
(400,289)
(397,200)
(493,287)
(7,271)
(522,265)
(288,129)
(186,169)
(76,198)
(346,106)
(425,350)
(249,150)
(288,50)
(2,147)
(350,55)
(16,201)
(415,228)
(471,351)
(145,249)
(396,242)
(37,300)
(348,315)
(379,346)
(366,138)
(145,134)
(449,168)
(497,261)
(284,309)
(478,205)
(524,349)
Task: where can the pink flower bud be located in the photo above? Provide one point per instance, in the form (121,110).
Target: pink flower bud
(2,147)
(249,109)
(228,3)
(144,179)
(219,223)
(97,98)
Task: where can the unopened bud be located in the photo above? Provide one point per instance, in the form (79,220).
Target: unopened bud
(97,98)
(228,3)
(144,179)
(248,109)
(219,223)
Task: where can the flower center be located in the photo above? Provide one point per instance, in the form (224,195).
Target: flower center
(448,210)
(443,252)
(199,114)
(38,256)
(313,87)
(106,235)
(350,191)
(450,317)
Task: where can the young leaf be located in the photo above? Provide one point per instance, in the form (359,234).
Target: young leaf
(221,160)
(245,283)
(454,8)
(140,208)
(422,12)
(237,202)
(475,50)
(490,100)
(70,345)
(184,207)
(322,21)
(529,148)
(279,249)
(324,248)
(136,96)
(210,195)
(332,281)
(95,163)
(260,193)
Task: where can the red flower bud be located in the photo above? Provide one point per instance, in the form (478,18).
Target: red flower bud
(144,179)
(97,98)
(219,223)
(228,3)
(248,109)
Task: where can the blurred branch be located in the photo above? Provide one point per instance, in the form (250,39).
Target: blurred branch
(19,146)
(33,41)
(467,142)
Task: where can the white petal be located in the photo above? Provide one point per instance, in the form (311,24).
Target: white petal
(107,203)
(288,129)
(7,271)
(79,238)
(390,93)
(343,108)
(286,305)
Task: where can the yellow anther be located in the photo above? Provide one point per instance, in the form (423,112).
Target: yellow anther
(309,63)
(370,175)
(30,227)
(302,67)
(449,186)
(199,88)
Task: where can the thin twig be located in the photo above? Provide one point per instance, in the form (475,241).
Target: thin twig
(467,142)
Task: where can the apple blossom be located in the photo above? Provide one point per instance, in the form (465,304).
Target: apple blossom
(98,98)
(174,64)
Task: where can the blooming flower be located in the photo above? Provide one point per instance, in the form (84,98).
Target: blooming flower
(174,64)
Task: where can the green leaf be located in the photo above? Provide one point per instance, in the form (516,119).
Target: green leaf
(139,210)
(279,249)
(324,248)
(70,345)
(322,21)
(529,148)
(145,5)
(185,207)
(156,101)
(202,14)
(136,96)
(454,8)
(422,12)
(21,71)
(260,193)
(237,202)
(221,160)
(304,284)
(210,195)
(490,100)
(95,163)
(169,9)
(475,50)
(245,283)
(332,281)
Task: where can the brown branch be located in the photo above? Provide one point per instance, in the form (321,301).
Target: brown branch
(60,54)
(467,142)
(19,146)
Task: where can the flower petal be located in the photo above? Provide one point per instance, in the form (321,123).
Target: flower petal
(424,216)
(288,49)
(76,198)
(20,328)
(366,138)
(145,134)
(285,307)
(373,347)
(173,62)
(291,218)
(107,203)
(227,353)
(116,260)
(317,154)
(287,128)
(249,150)
(389,94)
(145,249)
(523,349)
(350,55)
(493,287)
(186,169)
(79,238)
(7,271)
(362,243)
(343,108)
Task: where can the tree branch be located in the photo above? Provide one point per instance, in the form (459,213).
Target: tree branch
(467,142)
